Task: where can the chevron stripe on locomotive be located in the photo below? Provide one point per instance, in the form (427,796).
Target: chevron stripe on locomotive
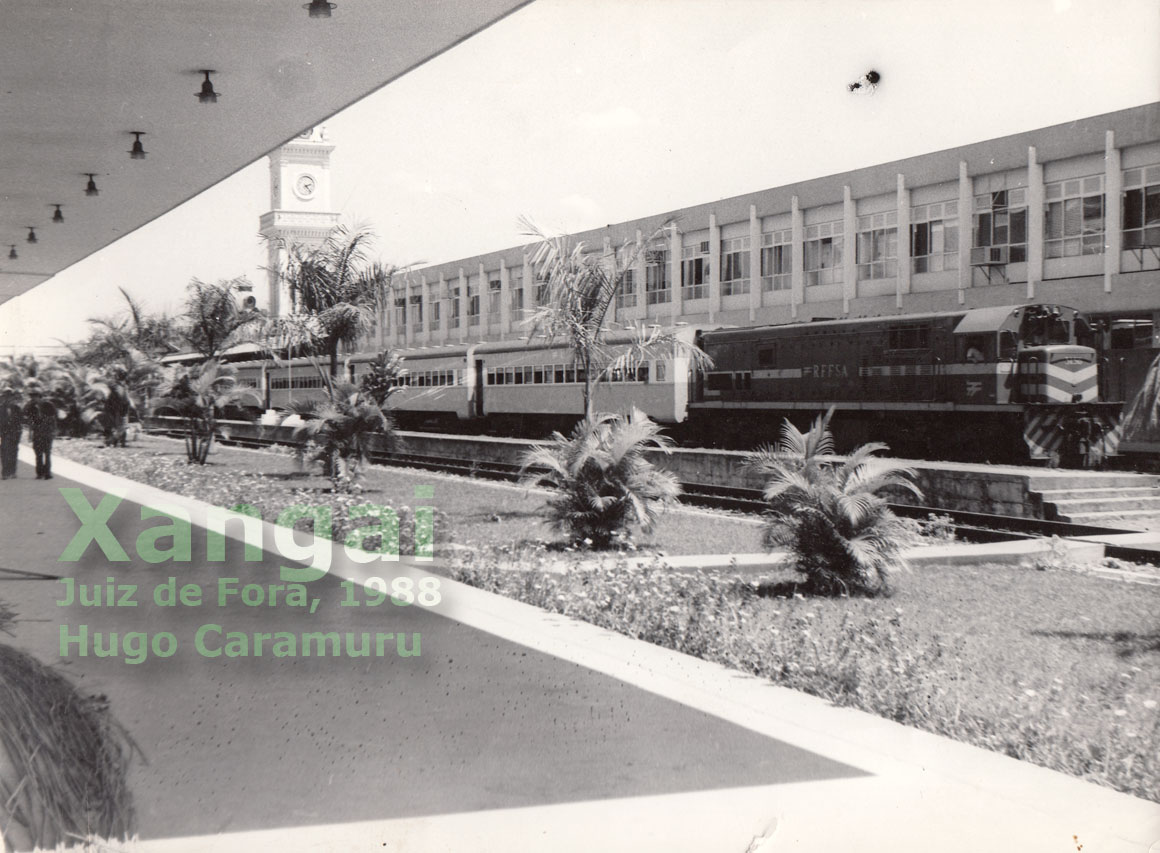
(1003,383)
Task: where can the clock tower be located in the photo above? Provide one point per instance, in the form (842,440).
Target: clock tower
(299,205)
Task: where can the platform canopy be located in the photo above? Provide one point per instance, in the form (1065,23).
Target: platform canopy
(76,78)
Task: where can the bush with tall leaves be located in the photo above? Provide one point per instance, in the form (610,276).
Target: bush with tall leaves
(382,377)
(199,396)
(342,427)
(827,511)
(603,479)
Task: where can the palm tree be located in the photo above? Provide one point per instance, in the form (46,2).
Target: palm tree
(581,287)
(214,319)
(827,512)
(342,425)
(1142,416)
(198,396)
(382,378)
(603,479)
(154,335)
(334,293)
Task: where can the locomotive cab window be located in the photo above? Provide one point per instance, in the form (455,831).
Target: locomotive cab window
(720,382)
(766,357)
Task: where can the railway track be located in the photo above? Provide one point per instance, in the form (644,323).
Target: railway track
(968,526)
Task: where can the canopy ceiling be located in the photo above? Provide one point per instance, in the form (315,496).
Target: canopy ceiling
(77,77)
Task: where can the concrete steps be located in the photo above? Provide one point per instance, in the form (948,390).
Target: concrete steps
(1100,499)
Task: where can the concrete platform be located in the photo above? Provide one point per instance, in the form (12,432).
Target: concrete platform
(515,730)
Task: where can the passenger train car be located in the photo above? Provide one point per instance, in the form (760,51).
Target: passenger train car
(504,387)
(1004,383)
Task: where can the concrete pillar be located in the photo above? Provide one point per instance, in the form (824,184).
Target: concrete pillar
(849,249)
(754,263)
(425,290)
(966,234)
(714,267)
(903,281)
(505,300)
(1034,221)
(444,310)
(798,292)
(1113,224)
(464,325)
(677,304)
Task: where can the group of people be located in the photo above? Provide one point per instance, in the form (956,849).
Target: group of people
(38,413)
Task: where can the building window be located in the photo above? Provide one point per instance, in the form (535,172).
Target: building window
(1142,207)
(626,293)
(735,266)
(822,257)
(516,283)
(656,277)
(1073,222)
(777,260)
(494,292)
(543,291)
(695,271)
(472,307)
(433,320)
(401,313)
(877,247)
(1000,226)
(453,320)
(417,313)
(934,237)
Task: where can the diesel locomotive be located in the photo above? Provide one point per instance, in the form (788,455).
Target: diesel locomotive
(1003,383)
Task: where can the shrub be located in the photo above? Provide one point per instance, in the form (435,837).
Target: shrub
(827,512)
(603,480)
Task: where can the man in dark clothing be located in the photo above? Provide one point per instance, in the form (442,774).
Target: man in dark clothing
(10,428)
(40,415)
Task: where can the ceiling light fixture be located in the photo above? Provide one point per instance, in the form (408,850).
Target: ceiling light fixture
(12,256)
(31,238)
(207,95)
(137,152)
(57,216)
(320,8)
(91,187)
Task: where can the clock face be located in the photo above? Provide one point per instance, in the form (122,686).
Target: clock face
(305,186)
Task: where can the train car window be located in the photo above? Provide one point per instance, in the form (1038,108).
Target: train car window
(528,375)
(519,376)
(538,376)
(1008,344)
(569,374)
(558,373)
(660,372)
(720,382)
(642,373)
(909,338)
(765,357)
(579,374)
(743,381)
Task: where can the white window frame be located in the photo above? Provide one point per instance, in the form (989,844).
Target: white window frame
(823,252)
(1002,209)
(777,260)
(695,271)
(658,289)
(940,222)
(1144,184)
(877,245)
(735,266)
(1075,217)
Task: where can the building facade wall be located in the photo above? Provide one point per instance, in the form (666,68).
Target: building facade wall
(1067,214)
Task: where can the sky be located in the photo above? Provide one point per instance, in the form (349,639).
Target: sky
(580,113)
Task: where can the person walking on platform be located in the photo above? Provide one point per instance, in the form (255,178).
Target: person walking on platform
(40,415)
(11,425)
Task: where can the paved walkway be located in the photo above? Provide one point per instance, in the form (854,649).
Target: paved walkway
(513,729)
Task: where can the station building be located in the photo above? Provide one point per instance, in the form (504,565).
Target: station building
(1067,214)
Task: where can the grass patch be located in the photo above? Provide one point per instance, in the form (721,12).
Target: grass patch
(1055,668)
(469,512)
